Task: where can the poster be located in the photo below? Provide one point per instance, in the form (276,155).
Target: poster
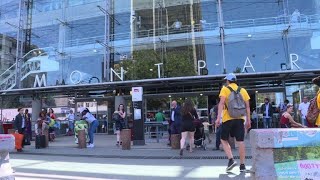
(137,114)
(297,163)
(292,138)
(137,93)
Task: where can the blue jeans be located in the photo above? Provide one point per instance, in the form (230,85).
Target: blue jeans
(71,126)
(266,122)
(92,129)
(304,121)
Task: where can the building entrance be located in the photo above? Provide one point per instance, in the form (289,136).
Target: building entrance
(101,108)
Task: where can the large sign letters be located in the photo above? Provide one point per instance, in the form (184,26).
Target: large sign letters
(40,82)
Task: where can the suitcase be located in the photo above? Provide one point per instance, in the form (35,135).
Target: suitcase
(18,140)
(40,141)
(37,143)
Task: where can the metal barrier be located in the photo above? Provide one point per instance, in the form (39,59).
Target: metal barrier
(156,129)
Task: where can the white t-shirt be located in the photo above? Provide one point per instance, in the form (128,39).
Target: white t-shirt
(172,115)
(303,107)
(70,117)
(89,117)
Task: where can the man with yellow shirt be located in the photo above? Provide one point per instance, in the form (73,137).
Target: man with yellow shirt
(233,126)
(316,81)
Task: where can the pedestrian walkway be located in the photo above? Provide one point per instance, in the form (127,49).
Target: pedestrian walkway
(105,147)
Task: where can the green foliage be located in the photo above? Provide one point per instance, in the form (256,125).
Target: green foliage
(237,70)
(12,102)
(297,153)
(142,66)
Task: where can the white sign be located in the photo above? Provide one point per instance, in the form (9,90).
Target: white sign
(137,93)
(137,114)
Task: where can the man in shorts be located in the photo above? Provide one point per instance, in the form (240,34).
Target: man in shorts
(231,126)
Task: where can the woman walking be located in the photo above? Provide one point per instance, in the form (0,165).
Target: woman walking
(119,117)
(287,121)
(189,113)
(93,122)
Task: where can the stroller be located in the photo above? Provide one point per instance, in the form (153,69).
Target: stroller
(199,136)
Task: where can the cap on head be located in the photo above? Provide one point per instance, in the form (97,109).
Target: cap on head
(231,77)
(316,81)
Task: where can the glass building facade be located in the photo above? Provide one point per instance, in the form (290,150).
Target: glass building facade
(70,42)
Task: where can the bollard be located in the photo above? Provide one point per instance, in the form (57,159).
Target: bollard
(11,131)
(175,141)
(7,144)
(126,139)
(46,134)
(82,139)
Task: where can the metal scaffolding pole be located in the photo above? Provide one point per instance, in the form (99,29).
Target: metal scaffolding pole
(19,50)
(221,25)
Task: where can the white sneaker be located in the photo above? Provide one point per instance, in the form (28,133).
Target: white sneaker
(90,146)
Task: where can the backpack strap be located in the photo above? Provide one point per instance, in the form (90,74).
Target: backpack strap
(238,90)
(230,88)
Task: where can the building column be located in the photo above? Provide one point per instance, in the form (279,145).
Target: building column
(119,100)
(36,109)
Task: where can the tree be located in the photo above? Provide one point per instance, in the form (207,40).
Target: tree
(237,70)
(142,66)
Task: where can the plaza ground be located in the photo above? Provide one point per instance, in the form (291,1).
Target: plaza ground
(63,160)
(33,167)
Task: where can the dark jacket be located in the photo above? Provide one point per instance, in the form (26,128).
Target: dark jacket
(270,111)
(177,115)
(28,124)
(18,123)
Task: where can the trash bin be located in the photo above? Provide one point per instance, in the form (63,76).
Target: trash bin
(7,126)
(175,141)
(126,139)
(82,139)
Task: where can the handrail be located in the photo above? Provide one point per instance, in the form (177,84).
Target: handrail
(199,27)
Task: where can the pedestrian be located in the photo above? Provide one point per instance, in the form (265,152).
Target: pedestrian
(206,125)
(283,106)
(286,120)
(41,124)
(70,119)
(303,110)
(236,102)
(119,118)
(20,125)
(175,118)
(28,129)
(267,112)
(188,113)
(160,117)
(52,119)
(316,81)
(93,124)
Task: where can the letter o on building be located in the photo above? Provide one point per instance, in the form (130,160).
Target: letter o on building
(76,77)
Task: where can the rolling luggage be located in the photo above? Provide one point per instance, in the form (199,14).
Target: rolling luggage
(18,140)
(40,141)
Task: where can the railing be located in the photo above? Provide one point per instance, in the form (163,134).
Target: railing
(302,21)
(8,78)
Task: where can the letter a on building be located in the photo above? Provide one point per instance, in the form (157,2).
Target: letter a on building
(248,64)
